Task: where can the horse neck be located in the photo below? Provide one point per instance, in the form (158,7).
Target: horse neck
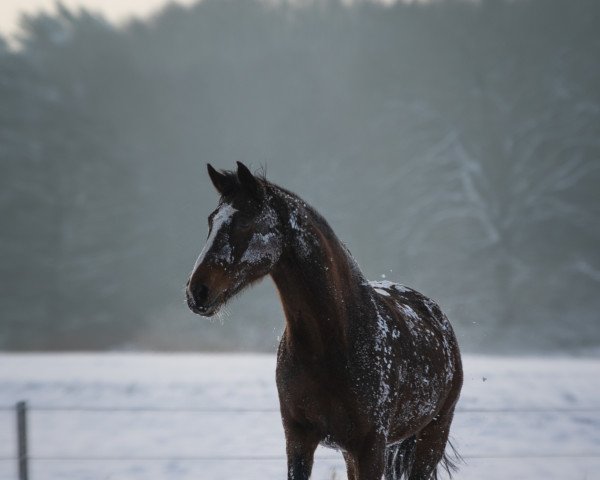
(318,283)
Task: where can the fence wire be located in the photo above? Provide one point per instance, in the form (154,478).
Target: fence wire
(269,458)
(150,409)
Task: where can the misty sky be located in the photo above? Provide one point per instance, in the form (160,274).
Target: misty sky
(115,10)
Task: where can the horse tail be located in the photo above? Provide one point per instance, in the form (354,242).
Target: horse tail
(449,462)
(400,458)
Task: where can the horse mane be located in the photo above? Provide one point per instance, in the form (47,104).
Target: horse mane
(286,201)
(275,190)
(318,220)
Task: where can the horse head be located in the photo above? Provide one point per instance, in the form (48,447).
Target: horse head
(244,242)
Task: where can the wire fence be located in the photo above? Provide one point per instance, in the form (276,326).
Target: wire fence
(22,409)
(158,409)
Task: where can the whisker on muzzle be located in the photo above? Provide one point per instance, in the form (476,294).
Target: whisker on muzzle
(222,314)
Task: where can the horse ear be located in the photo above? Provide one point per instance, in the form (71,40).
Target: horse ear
(249,181)
(223,183)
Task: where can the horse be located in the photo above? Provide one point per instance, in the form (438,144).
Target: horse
(370,368)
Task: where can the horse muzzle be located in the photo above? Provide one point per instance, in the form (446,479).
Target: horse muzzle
(206,293)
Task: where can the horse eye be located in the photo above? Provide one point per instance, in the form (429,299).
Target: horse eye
(245,223)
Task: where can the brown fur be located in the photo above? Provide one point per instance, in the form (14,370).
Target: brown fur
(374,372)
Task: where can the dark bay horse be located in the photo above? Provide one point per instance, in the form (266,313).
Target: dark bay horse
(370,368)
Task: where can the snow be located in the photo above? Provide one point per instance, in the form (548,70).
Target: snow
(382,292)
(267,245)
(520,418)
(382,364)
(303,235)
(382,285)
(259,247)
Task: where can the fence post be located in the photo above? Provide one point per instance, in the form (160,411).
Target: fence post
(22,440)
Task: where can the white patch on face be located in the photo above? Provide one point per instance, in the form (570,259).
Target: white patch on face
(221,219)
(259,248)
(263,245)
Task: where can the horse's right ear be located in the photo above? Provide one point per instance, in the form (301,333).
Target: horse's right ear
(222,182)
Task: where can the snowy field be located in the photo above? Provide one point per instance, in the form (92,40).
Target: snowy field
(210,417)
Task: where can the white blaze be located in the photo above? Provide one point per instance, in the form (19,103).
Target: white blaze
(221,219)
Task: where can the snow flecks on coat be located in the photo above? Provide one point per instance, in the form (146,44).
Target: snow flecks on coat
(380,291)
(383,366)
(384,287)
(297,220)
(410,313)
(265,244)
(302,235)
(259,248)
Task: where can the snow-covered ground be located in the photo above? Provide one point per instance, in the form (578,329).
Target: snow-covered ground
(210,417)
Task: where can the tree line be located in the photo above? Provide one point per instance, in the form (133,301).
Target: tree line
(454,146)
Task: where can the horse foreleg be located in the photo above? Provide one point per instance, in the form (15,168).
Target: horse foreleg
(350,466)
(370,462)
(300,449)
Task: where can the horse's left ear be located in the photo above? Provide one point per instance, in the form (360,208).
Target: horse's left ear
(249,182)
(223,183)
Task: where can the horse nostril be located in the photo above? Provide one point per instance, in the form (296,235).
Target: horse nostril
(201,294)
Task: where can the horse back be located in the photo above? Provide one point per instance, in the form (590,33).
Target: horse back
(428,369)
